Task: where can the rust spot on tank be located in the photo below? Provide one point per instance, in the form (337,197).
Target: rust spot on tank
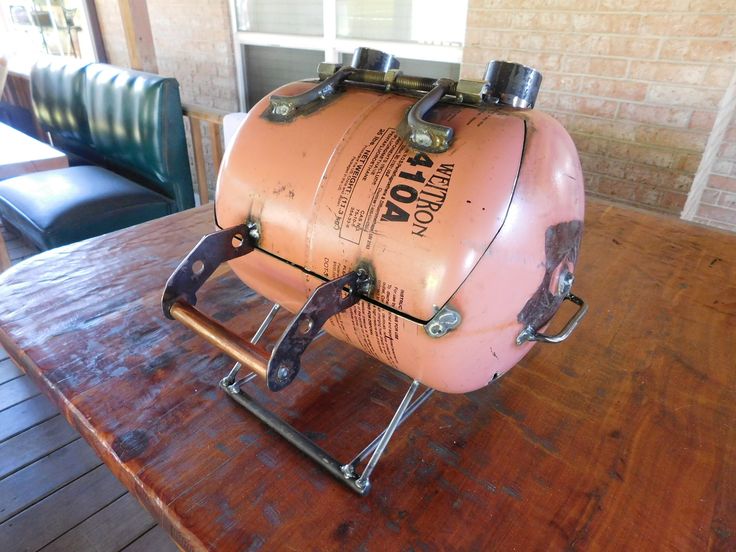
(561,244)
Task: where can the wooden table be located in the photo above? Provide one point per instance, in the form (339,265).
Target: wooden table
(21,154)
(623,437)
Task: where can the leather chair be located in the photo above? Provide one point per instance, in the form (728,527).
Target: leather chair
(129,125)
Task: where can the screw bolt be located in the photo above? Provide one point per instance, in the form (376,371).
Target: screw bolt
(422,138)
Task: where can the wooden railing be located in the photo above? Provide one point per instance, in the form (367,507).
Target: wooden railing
(200,117)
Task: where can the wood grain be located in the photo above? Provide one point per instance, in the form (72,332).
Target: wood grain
(622,437)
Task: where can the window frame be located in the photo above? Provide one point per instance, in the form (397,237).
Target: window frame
(331,45)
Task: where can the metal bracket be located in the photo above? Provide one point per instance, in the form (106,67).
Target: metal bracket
(326,301)
(283,364)
(202,261)
(446,319)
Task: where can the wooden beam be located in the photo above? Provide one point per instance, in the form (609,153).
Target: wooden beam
(199,163)
(138,35)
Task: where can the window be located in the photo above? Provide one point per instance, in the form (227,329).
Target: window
(284,40)
(32,28)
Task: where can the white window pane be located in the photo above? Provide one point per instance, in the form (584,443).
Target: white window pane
(269,67)
(29,31)
(420,67)
(422,21)
(296,17)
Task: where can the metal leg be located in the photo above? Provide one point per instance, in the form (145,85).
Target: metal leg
(230,378)
(363,454)
(363,482)
(346,473)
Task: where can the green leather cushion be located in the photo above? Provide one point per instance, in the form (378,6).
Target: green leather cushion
(56,88)
(136,128)
(54,208)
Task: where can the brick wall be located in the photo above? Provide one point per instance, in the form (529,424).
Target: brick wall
(194,44)
(637,83)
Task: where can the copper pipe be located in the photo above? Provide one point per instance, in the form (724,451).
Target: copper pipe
(251,356)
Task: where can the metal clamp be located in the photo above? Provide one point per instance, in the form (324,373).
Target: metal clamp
(283,364)
(530,334)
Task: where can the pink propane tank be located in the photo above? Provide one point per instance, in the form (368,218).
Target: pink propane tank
(465,208)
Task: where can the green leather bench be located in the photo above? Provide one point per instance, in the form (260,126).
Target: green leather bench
(124,134)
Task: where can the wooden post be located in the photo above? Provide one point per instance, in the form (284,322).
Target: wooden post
(216,137)
(199,163)
(4,257)
(138,35)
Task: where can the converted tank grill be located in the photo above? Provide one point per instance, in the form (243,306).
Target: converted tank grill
(433,224)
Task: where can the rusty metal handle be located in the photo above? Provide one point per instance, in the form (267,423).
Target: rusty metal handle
(251,356)
(530,334)
(424,135)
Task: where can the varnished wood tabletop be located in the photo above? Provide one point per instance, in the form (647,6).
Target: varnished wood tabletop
(623,437)
(22,154)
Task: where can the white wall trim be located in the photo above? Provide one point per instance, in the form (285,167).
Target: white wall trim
(726,111)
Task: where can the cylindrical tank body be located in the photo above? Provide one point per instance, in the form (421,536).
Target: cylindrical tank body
(486,229)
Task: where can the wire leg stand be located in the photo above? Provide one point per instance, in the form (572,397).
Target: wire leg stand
(347,473)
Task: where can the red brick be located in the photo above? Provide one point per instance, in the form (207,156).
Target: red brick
(644,5)
(727,200)
(589,106)
(561,82)
(705,50)
(668,72)
(711,5)
(600,66)
(645,113)
(722,183)
(672,138)
(686,96)
(727,151)
(687,162)
(702,120)
(616,89)
(672,202)
(648,196)
(616,189)
(682,24)
(710,197)
(729,28)
(720,214)
(605,23)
